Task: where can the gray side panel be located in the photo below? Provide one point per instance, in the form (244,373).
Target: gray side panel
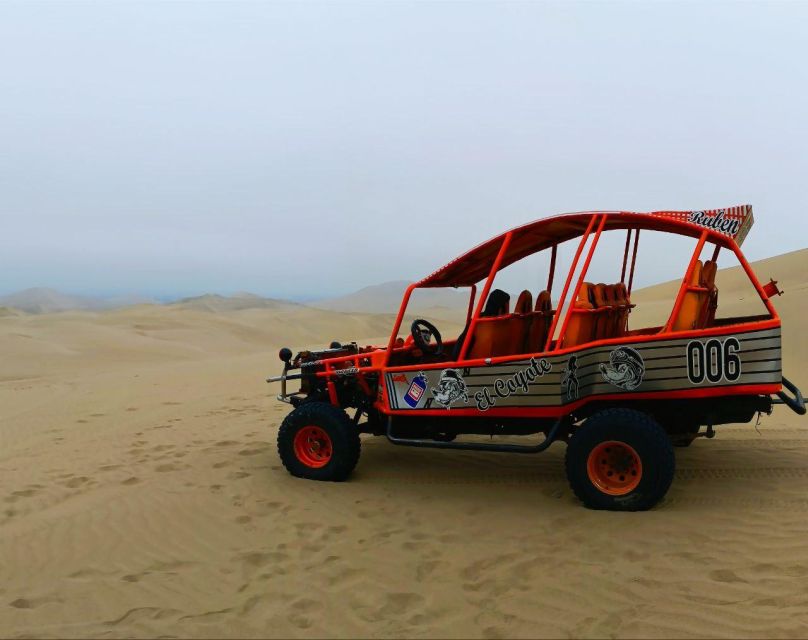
(665,365)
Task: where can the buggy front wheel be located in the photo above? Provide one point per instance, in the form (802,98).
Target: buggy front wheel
(319,442)
(620,460)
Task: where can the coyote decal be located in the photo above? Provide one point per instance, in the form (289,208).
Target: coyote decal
(625,369)
(451,388)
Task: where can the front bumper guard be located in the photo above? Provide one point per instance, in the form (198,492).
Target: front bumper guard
(284,396)
(795,402)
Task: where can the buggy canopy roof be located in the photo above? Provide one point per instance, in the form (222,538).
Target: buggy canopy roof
(723,225)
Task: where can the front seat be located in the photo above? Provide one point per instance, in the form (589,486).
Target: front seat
(497,305)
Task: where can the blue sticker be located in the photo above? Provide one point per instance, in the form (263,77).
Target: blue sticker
(416,390)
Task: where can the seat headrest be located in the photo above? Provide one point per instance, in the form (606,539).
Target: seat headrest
(600,295)
(524,303)
(497,304)
(695,278)
(543,301)
(584,300)
(708,273)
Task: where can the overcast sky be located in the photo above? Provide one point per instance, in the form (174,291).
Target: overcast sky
(309,149)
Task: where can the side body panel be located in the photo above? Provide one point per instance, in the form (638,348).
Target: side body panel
(735,361)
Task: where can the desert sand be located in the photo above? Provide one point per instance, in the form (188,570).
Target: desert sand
(142,496)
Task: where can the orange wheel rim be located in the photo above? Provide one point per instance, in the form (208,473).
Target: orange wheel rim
(614,467)
(313,446)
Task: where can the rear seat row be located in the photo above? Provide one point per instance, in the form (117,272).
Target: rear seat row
(500,333)
(600,312)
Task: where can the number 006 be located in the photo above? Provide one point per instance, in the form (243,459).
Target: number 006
(713,360)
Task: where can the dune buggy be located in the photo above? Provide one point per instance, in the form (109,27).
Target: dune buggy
(571,369)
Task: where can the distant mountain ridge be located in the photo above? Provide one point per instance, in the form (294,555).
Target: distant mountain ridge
(383,298)
(39,300)
(46,300)
(386,298)
(236,302)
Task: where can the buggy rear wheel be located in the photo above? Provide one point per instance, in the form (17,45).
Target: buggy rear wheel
(621,460)
(319,442)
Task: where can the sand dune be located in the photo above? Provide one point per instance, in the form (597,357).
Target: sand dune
(142,496)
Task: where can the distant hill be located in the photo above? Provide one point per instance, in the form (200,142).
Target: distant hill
(45,300)
(237,302)
(386,298)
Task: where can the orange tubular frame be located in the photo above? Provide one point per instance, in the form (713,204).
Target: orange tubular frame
(591,225)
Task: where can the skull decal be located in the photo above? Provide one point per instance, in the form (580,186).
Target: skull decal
(451,388)
(625,369)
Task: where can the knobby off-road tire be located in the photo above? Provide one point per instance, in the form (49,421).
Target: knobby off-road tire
(319,442)
(620,460)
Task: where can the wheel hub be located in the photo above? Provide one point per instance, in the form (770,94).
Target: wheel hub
(614,467)
(312,446)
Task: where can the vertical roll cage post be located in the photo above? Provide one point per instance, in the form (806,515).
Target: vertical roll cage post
(567,282)
(489,281)
(751,275)
(472,297)
(633,260)
(581,277)
(397,325)
(551,275)
(685,282)
(625,257)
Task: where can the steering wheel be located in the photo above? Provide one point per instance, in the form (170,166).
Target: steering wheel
(422,333)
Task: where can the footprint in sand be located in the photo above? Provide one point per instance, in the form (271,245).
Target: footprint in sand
(725,575)
(76,482)
(425,569)
(131,577)
(31,603)
(253,452)
(164,468)
(302,612)
(23,493)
